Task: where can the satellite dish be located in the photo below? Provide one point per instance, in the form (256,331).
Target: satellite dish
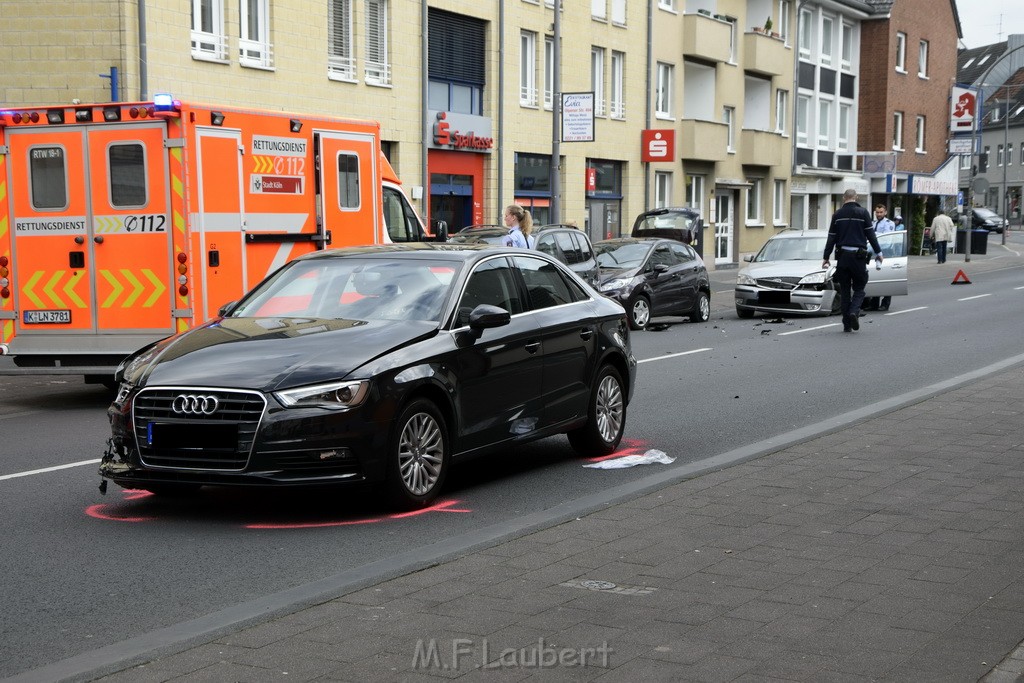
(980,185)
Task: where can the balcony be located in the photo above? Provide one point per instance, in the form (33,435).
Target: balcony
(762,148)
(703,140)
(707,38)
(766,54)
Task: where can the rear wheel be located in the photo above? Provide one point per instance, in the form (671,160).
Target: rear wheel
(702,309)
(418,456)
(606,416)
(639,312)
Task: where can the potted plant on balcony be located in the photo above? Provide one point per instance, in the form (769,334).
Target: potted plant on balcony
(705,12)
(768,25)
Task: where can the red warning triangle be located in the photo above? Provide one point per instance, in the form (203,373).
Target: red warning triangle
(961,278)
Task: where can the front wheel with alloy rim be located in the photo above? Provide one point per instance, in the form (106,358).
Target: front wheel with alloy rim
(701,310)
(606,416)
(639,311)
(418,455)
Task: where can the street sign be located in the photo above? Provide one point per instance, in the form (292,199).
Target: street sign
(960,146)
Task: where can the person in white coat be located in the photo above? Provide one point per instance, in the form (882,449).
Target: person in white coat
(942,233)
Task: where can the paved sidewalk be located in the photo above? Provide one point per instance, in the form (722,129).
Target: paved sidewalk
(892,550)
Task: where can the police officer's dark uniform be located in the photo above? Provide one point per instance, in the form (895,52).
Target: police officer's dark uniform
(849,233)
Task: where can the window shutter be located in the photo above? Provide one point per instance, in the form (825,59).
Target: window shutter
(456,51)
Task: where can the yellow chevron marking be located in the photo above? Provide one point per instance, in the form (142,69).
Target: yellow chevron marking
(7,331)
(27,289)
(3,226)
(158,287)
(116,289)
(50,284)
(136,287)
(179,222)
(69,288)
(3,186)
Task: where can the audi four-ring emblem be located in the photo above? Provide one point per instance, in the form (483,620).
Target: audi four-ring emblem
(194,404)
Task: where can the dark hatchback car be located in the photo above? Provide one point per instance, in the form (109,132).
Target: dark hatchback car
(654,277)
(375,364)
(569,245)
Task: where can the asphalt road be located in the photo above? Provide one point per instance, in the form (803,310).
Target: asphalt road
(81,570)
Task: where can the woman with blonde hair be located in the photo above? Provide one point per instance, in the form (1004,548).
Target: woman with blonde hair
(520,224)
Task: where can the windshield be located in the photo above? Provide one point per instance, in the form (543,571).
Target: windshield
(354,289)
(806,248)
(621,254)
(985,213)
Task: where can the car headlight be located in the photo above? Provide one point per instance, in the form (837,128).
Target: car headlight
(744,279)
(617,283)
(814,278)
(335,396)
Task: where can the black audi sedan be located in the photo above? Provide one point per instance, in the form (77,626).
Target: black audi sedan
(654,277)
(381,364)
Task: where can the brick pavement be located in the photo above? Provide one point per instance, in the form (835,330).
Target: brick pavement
(892,550)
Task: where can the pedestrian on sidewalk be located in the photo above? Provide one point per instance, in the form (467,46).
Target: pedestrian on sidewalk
(942,232)
(882,225)
(849,234)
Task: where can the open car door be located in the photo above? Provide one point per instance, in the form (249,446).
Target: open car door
(891,280)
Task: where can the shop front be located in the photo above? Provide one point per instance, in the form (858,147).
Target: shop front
(459,146)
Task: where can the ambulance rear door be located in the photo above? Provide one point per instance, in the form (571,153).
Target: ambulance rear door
(91,238)
(349,186)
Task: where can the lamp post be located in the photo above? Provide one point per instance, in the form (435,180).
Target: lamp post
(1006,162)
(556,117)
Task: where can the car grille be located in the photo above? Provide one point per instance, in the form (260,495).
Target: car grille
(779,283)
(221,440)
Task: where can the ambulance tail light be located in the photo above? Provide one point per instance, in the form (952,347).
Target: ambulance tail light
(5,274)
(182,274)
(25,117)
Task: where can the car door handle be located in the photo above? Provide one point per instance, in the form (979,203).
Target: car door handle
(531,347)
(896,266)
(585,335)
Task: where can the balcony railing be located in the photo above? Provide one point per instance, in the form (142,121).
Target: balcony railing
(255,53)
(209,46)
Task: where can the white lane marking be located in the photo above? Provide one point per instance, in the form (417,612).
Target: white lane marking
(672,355)
(809,329)
(48,469)
(972,298)
(909,310)
(1018,287)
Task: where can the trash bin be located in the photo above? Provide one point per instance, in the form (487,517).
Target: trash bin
(979,241)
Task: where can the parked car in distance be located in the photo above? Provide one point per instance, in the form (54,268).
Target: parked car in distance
(676,223)
(785,277)
(478,226)
(569,245)
(654,277)
(987,219)
(381,364)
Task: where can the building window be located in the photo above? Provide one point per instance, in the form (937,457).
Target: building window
(208,39)
(619,12)
(781,110)
(618,100)
(597,79)
(341,63)
(803,109)
(983,161)
(779,203)
(669,5)
(824,123)
(48,178)
(127,165)
(598,9)
(455,64)
(528,69)
(782,20)
(663,96)
(804,33)
(920,134)
(843,134)
(798,211)
(549,72)
(965,161)
(922,60)
(847,49)
(897,131)
(901,52)
(254,47)
(1009,154)
(695,193)
(754,201)
(377,67)
(729,118)
(827,31)
(662,189)
(999,156)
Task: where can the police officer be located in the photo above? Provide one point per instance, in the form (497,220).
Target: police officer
(849,233)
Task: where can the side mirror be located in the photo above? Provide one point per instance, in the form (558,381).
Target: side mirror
(660,268)
(749,258)
(440,229)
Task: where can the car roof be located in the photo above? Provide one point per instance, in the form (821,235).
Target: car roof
(792,234)
(635,240)
(411,250)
